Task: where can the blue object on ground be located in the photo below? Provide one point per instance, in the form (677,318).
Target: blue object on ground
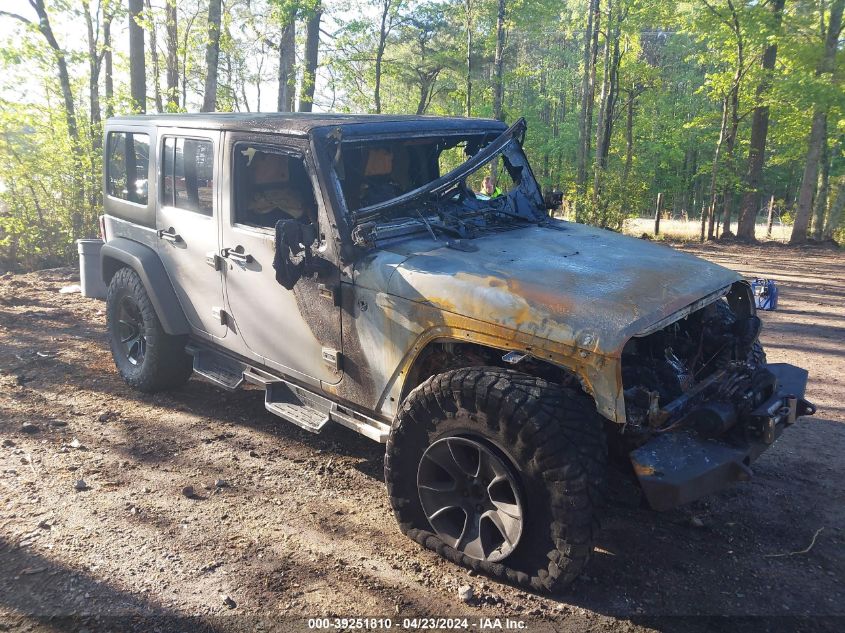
(765,294)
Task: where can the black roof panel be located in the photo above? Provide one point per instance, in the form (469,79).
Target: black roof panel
(302,123)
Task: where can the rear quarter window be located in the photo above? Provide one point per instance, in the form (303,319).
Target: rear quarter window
(127,166)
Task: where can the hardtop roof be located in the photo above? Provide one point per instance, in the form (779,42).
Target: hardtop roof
(303,123)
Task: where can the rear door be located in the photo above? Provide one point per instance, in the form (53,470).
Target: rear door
(295,331)
(188,227)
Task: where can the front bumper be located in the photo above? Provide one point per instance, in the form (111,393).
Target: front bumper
(678,467)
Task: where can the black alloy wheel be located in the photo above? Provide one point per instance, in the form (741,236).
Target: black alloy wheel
(131,330)
(471,498)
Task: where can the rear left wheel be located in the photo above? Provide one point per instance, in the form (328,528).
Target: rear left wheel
(148,358)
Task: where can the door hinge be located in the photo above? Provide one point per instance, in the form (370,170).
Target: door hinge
(328,292)
(214,260)
(332,358)
(219,315)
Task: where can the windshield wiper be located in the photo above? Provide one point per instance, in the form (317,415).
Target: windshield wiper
(427,225)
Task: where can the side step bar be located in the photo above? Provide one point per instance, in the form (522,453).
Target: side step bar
(295,404)
(298,405)
(217,369)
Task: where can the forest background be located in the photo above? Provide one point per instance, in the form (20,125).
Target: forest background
(725,108)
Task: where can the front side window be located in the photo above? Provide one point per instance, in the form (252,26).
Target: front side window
(271,186)
(127,166)
(188,174)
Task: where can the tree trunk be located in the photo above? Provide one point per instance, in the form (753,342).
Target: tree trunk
(427,80)
(823,187)
(730,143)
(212,54)
(817,131)
(771,217)
(714,174)
(287,54)
(242,85)
(172,56)
(588,81)
(230,82)
(94,64)
(382,43)
(423,99)
(61,65)
(312,50)
(810,179)
(468,102)
(186,38)
(629,137)
(109,65)
(607,103)
(759,132)
(658,211)
(137,71)
(154,57)
(499,63)
(834,218)
(46,30)
(603,99)
(95,130)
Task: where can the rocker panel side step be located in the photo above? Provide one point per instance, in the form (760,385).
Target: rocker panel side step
(297,405)
(218,369)
(366,426)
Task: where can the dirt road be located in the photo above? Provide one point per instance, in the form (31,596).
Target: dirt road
(283,525)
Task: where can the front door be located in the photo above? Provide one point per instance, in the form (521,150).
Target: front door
(294,331)
(187,224)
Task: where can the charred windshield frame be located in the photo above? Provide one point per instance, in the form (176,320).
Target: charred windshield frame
(524,201)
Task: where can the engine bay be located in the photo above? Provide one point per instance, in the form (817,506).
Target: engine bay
(702,372)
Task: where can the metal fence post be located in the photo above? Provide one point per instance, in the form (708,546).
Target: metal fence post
(657,213)
(771,216)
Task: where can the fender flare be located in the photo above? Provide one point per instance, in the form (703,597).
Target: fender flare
(120,252)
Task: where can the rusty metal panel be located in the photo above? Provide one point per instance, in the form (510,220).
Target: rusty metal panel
(572,285)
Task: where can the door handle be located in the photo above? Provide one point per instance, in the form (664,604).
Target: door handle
(169,235)
(231,253)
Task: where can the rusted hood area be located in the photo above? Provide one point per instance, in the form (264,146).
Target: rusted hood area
(571,284)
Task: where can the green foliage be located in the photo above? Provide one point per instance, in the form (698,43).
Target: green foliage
(41,211)
(677,63)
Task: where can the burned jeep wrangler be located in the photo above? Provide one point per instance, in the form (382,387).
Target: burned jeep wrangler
(355,269)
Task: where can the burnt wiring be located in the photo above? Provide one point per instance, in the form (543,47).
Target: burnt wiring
(672,371)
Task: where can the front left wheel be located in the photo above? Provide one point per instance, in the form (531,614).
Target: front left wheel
(148,358)
(500,472)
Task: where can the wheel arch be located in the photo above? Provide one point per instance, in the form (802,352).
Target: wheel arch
(120,253)
(442,354)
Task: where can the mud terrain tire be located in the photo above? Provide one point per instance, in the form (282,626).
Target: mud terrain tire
(553,439)
(148,358)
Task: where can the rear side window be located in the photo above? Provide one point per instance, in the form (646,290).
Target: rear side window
(127,166)
(188,174)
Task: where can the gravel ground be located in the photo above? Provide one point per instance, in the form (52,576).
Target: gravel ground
(198,510)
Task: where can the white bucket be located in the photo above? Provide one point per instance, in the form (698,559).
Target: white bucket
(90,273)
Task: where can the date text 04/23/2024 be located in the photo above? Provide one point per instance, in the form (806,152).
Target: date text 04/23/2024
(424,623)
